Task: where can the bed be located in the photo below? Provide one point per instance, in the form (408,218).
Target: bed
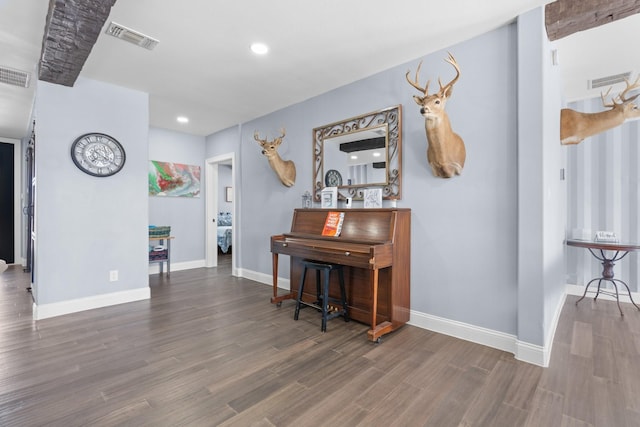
(224,231)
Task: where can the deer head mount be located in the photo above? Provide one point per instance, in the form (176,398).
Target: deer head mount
(285,169)
(445,149)
(576,126)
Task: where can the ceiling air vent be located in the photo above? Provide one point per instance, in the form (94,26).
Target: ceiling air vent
(127,34)
(609,80)
(14,77)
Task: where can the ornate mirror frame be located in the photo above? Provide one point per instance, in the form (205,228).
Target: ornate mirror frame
(390,117)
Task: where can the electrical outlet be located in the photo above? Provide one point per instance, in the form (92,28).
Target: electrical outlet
(113,276)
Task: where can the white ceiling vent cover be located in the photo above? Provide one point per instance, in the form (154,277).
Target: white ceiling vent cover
(14,77)
(135,37)
(608,81)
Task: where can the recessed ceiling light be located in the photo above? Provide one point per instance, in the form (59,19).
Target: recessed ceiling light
(354,157)
(376,154)
(183,119)
(259,48)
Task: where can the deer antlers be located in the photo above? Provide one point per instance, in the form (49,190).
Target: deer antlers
(621,98)
(443,89)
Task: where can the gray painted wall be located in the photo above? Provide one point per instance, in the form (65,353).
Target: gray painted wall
(87,226)
(185,215)
(465,244)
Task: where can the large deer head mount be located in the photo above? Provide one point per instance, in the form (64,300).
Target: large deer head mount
(445,149)
(285,169)
(576,126)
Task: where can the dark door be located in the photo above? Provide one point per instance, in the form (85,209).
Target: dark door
(6,203)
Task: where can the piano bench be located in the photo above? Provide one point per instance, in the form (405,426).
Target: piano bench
(323,300)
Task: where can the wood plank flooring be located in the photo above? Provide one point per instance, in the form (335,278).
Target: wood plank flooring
(209,349)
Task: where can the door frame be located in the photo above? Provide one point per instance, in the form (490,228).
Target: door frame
(17,197)
(211,210)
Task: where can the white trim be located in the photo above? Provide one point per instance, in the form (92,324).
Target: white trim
(211,209)
(45,311)
(154,268)
(578,290)
(266,279)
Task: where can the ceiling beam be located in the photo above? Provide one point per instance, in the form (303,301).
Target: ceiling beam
(72,28)
(565,17)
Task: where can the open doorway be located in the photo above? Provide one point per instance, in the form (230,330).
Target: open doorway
(217,194)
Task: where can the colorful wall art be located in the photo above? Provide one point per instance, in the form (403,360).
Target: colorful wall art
(173,179)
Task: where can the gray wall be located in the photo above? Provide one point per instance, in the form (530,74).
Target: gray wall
(87,226)
(465,244)
(604,194)
(224,181)
(185,215)
(541,193)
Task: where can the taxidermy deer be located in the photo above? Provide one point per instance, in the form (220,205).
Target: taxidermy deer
(576,126)
(445,148)
(285,169)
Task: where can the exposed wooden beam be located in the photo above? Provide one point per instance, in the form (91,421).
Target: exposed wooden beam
(71,30)
(565,17)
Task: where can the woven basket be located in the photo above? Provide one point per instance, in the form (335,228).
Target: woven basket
(159,231)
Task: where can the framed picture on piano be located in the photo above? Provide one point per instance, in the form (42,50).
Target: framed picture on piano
(329,198)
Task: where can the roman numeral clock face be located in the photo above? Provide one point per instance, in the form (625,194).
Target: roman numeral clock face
(98,154)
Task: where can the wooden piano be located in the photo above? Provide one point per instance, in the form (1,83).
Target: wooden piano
(375,248)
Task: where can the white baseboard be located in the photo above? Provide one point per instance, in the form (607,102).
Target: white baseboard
(44,311)
(176,266)
(266,279)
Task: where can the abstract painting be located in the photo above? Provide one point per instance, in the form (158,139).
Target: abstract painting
(173,179)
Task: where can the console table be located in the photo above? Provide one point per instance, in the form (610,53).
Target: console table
(608,254)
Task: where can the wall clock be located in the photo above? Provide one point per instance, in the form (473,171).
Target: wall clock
(98,154)
(332,178)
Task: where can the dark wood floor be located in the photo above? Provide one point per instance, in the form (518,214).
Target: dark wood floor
(209,349)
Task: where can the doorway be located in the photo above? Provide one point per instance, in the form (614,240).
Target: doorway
(215,191)
(10,209)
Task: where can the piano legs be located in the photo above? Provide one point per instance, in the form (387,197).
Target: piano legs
(275,299)
(373,334)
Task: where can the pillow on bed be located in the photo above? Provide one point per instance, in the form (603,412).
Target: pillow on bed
(224,218)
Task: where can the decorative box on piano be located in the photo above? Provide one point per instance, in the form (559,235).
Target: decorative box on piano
(374,245)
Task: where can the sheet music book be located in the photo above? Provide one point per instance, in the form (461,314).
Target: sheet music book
(333,224)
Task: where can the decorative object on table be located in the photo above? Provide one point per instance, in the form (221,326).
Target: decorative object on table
(306,200)
(173,179)
(373,198)
(329,198)
(606,236)
(285,169)
(333,224)
(159,231)
(332,178)
(98,154)
(228,196)
(446,153)
(576,126)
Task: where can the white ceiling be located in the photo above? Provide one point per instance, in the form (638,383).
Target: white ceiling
(203,68)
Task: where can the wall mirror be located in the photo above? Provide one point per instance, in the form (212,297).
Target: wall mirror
(359,153)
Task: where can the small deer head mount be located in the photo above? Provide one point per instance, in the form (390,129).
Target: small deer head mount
(285,169)
(445,149)
(576,126)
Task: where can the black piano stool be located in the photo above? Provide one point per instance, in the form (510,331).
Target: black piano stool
(322,294)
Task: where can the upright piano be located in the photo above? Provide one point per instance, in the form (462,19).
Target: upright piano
(374,247)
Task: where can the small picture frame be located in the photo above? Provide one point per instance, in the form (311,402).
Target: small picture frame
(329,198)
(372,198)
(228,197)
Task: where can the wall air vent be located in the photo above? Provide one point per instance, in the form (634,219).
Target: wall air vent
(131,36)
(608,80)
(14,77)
